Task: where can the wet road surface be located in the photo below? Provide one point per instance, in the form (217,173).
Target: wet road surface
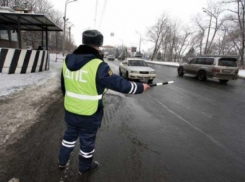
(187,131)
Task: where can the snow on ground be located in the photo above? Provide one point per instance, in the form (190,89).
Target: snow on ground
(24,97)
(9,83)
(241,72)
(163,63)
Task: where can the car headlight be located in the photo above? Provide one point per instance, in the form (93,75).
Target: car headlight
(134,72)
(152,72)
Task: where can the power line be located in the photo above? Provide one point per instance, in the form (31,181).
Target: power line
(103,11)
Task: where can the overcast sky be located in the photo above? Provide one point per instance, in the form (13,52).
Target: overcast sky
(125,17)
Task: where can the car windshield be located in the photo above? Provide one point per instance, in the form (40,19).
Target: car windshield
(137,63)
(230,62)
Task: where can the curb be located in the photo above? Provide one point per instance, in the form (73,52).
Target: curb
(161,64)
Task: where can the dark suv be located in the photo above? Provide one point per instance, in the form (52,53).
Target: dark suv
(223,68)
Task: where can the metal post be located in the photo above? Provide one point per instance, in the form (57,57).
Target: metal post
(69,34)
(140,43)
(122,46)
(19,34)
(46,38)
(42,38)
(243,34)
(64,34)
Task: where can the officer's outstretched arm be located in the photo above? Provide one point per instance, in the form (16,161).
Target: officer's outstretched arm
(107,79)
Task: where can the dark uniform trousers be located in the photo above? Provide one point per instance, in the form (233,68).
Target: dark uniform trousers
(84,127)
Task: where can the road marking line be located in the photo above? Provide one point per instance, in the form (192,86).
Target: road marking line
(187,122)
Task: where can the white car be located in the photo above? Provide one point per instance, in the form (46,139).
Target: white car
(136,69)
(111,57)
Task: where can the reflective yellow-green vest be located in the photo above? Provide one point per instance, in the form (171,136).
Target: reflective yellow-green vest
(81,95)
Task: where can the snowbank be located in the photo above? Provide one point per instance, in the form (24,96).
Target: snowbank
(10,83)
(174,64)
(241,72)
(19,110)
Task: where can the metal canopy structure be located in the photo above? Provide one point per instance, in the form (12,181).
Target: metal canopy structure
(28,22)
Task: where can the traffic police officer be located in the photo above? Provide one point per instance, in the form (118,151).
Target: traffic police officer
(85,78)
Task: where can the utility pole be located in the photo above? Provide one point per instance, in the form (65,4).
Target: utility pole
(122,47)
(210,22)
(139,41)
(140,44)
(69,34)
(243,61)
(65,20)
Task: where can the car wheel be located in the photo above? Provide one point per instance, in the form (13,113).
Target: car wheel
(180,71)
(120,72)
(150,81)
(201,75)
(223,81)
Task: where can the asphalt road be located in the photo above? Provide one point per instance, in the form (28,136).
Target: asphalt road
(189,131)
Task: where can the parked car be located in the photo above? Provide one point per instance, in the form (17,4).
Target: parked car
(111,58)
(136,69)
(224,68)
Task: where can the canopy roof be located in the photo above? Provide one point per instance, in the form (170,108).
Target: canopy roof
(27,22)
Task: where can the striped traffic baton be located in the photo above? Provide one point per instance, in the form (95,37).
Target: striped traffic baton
(161,83)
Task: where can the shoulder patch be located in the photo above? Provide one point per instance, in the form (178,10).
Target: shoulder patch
(110,72)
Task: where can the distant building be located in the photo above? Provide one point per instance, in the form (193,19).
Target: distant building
(108,49)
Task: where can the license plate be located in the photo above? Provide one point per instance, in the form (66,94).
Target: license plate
(144,79)
(227,71)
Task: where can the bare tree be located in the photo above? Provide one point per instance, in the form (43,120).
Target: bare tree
(4,2)
(157,33)
(173,34)
(170,39)
(237,17)
(214,11)
(42,7)
(198,23)
(184,42)
(11,3)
